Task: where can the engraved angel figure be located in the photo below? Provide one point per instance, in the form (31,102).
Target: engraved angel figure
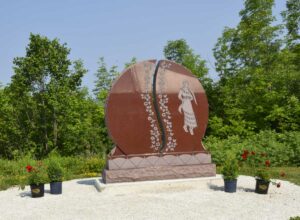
(187,96)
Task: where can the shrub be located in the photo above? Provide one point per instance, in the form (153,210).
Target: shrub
(36,174)
(230,168)
(282,149)
(55,171)
(13,172)
(263,174)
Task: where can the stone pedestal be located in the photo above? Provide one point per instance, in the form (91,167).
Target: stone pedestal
(158,167)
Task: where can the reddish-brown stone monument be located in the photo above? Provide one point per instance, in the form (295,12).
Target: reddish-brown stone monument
(156,114)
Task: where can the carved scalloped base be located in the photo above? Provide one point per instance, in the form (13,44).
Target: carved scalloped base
(159,173)
(142,161)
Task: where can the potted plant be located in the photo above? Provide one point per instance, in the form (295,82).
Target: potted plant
(261,165)
(263,180)
(230,173)
(55,174)
(36,178)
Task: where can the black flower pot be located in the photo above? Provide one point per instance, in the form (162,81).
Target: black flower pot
(230,186)
(37,190)
(262,186)
(56,188)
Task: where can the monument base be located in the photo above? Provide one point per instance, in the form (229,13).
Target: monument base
(159,173)
(132,168)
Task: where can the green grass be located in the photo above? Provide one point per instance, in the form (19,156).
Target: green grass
(292,174)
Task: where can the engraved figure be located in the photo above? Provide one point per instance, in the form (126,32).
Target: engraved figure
(187,96)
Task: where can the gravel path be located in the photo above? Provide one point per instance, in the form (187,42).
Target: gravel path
(196,199)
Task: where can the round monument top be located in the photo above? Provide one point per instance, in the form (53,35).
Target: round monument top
(156,107)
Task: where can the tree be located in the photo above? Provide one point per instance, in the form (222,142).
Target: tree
(131,62)
(180,52)
(254,75)
(8,126)
(48,102)
(104,80)
(291,17)
(256,42)
(253,43)
(226,64)
(177,50)
(292,21)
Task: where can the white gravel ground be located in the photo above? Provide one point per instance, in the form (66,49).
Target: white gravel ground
(196,199)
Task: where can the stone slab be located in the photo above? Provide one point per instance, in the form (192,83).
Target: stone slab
(159,173)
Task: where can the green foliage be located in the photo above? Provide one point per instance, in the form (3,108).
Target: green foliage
(292,21)
(295,218)
(291,174)
(13,172)
(263,174)
(54,170)
(131,62)
(44,108)
(104,80)
(282,149)
(230,167)
(180,52)
(259,162)
(177,50)
(259,78)
(37,174)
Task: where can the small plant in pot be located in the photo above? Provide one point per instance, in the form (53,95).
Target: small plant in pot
(230,173)
(263,180)
(55,174)
(36,177)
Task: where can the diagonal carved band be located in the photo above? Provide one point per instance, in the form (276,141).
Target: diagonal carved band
(156,108)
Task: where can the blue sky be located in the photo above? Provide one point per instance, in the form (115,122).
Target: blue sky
(117,30)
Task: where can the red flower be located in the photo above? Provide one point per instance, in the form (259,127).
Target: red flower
(245,154)
(29,168)
(278,185)
(282,174)
(252,152)
(267,163)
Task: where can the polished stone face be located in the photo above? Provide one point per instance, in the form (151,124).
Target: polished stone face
(156,107)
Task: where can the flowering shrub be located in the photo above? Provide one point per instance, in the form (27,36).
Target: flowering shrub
(281,149)
(36,174)
(261,164)
(29,168)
